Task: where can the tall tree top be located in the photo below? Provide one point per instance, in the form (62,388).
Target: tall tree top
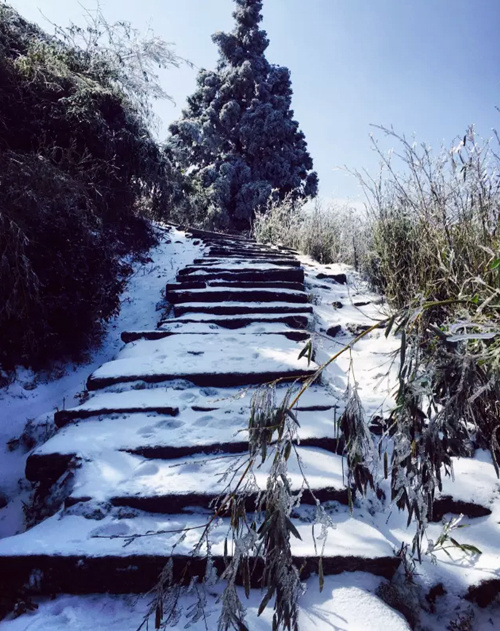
(247,41)
(238,137)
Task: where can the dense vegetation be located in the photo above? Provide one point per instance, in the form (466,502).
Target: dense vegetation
(429,241)
(78,169)
(237,139)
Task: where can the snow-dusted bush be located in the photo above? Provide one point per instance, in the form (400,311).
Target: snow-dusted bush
(237,137)
(78,166)
(328,233)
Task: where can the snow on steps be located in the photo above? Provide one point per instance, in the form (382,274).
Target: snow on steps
(178,485)
(262,284)
(197,358)
(246,263)
(75,554)
(240,321)
(185,398)
(242,308)
(247,273)
(153,435)
(196,421)
(227,294)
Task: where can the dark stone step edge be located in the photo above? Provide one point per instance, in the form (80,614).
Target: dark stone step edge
(235,295)
(296,321)
(222,380)
(63,417)
(199,284)
(50,467)
(179,503)
(158,334)
(294,275)
(137,574)
(228,309)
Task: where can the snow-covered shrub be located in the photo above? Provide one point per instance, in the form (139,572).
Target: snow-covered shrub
(435,217)
(329,234)
(78,166)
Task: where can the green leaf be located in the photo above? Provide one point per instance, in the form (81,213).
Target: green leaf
(288,451)
(470,548)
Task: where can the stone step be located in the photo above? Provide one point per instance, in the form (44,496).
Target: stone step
(239,262)
(158,334)
(193,482)
(219,236)
(250,250)
(200,284)
(288,274)
(241,308)
(215,294)
(240,321)
(248,254)
(151,434)
(71,553)
(247,359)
(170,401)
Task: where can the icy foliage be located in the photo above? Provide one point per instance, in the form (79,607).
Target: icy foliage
(238,135)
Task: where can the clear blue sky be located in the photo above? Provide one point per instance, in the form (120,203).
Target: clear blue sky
(429,67)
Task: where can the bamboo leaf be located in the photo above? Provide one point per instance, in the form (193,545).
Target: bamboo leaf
(158,616)
(266,599)
(292,529)
(321,574)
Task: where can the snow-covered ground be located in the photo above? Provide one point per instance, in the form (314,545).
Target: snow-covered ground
(348,602)
(34,397)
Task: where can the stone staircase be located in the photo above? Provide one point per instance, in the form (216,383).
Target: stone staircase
(143,457)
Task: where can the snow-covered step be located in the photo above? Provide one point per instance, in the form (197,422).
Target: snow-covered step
(74,554)
(472,489)
(226,294)
(208,235)
(287,274)
(203,329)
(176,485)
(236,265)
(272,257)
(218,360)
(242,308)
(201,284)
(155,435)
(228,400)
(247,252)
(240,262)
(241,321)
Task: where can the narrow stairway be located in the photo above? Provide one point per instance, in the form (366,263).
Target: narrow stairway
(147,451)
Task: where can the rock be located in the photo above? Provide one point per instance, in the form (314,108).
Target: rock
(434,592)
(337,278)
(333,331)
(336,304)
(362,304)
(3,500)
(196,242)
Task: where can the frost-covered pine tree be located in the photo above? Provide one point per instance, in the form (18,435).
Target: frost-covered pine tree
(237,138)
